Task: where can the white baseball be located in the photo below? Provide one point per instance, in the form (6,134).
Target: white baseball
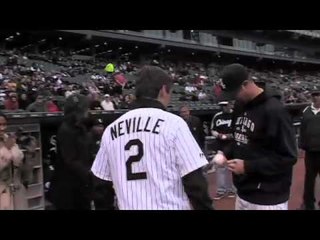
(219,159)
(224,137)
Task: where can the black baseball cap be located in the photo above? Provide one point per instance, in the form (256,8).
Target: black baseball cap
(232,78)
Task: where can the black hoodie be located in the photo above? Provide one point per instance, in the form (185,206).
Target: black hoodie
(265,140)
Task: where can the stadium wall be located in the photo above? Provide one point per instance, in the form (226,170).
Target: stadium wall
(50,122)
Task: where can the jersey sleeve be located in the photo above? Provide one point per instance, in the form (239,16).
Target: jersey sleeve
(189,155)
(100,167)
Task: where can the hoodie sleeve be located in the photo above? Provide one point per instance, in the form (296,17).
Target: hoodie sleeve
(283,150)
(103,194)
(196,188)
(228,150)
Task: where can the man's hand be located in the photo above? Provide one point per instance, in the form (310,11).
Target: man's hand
(236,166)
(229,136)
(221,136)
(224,136)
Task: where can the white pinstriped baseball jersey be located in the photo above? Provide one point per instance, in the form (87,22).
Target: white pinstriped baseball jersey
(145,153)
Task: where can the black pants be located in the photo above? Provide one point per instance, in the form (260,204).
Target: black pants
(70,197)
(312,165)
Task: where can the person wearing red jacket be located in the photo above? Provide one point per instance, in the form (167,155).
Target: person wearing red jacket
(11,103)
(52,107)
(217,90)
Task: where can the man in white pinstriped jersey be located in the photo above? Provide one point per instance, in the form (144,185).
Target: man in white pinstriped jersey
(149,155)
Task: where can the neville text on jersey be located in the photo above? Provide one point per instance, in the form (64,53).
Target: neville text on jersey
(133,125)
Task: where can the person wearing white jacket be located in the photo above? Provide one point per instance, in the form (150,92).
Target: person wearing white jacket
(107,104)
(12,191)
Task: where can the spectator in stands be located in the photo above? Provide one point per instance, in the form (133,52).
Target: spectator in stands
(189,88)
(116,88)
(202,95)
(12,86)
(32,94)
(3,97)
(96,103)
(69,92)
(302,98)
(194,123)
(217,90)
(130,99)
(116,102)
(51,106)
(122,103)
(38,106)
(310,142)
(291,98)
(23,101)
(107,104)
(12,104)
(93,90)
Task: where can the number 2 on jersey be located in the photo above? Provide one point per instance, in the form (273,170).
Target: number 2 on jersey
(132,159)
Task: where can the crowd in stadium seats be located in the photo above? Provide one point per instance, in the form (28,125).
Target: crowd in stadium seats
(41,83)
(203,83)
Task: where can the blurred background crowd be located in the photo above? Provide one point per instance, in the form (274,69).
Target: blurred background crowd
(41,83)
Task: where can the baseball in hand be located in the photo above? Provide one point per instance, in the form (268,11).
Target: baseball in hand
(223,137)
(219,159)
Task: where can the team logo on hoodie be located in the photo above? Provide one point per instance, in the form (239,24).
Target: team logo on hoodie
(243,126)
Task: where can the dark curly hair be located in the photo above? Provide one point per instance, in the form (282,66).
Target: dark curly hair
(75,108)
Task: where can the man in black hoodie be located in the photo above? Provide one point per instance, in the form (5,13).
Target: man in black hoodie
(264,150)
(310,142)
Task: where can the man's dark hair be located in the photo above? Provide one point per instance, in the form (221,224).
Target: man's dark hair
(150,81)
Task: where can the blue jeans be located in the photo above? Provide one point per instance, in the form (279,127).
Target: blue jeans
(224,180)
